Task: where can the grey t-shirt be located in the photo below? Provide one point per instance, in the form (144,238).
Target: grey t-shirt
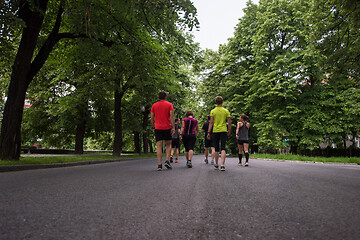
(243,132)
(176,134)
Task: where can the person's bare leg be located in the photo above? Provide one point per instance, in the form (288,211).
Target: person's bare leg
(240,153)
(187,156)
(246,147)
(191,153)
(177,153)
(212,153)
(168,149)
(216,158)
(206,153)
(159,145)
(240,148)
(223,156)
(246,151)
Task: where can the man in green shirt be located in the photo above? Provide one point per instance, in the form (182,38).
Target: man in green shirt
(218,118)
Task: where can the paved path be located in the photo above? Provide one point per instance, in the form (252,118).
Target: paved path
(131,200)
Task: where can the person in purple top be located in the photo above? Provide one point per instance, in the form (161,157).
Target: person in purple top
(189,130)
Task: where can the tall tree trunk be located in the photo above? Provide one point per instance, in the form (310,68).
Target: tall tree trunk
(10,139)
(151,148)
(79,138)
(137,142)
(118,121)
(145,122)
(145,143)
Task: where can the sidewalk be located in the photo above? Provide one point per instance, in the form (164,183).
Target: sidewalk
(10,168)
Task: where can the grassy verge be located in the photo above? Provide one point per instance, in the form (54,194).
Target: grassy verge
(308,159)
(72,158)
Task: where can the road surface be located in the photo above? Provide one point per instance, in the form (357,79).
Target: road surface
(131,200)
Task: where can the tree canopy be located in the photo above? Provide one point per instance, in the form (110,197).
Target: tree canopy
(292,66)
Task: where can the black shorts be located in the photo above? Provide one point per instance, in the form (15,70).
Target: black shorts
(208,143)
(175,143)
(241,142)
(162,134)
(189,142)
(221,138)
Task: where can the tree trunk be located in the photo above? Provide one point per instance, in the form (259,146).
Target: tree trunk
(145,143)
(79,138)
(137,142)
(293,148)
(145,122)
(118,122)
(10,139)
(150,146)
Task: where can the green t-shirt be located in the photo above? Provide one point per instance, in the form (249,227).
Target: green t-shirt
(220,115)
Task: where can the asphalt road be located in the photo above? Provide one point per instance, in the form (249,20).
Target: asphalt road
(131,200)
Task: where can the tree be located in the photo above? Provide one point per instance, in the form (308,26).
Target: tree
(290,69)
(153,16)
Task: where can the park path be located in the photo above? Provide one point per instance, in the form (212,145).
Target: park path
(131,200)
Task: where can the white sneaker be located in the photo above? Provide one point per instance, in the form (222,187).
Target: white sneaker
(212,162)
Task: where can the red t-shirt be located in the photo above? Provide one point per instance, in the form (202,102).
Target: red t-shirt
(162,109)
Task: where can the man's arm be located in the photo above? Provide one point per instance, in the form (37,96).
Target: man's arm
(210,127)
(172,121)
(152,119)
(182,128)
(237,130)
(229,126)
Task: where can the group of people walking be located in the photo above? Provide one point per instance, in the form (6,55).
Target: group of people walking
(216,130)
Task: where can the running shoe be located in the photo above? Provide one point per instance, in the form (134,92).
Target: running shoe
(216,167)
(171,159)
(176,161)
(240,164)
(212,162)
(159,167)
(188,164)
(206,161)
(167,165)
(222,168)
(246,164)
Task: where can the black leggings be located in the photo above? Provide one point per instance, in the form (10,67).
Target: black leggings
(221,138)
(189,142)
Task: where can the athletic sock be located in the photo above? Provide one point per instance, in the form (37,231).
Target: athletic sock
(247,156)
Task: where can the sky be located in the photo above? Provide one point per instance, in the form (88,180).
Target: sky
(218,19)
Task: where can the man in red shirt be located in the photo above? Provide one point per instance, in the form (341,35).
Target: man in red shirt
(162,120)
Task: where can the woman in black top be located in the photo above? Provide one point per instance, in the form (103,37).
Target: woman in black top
(242,136)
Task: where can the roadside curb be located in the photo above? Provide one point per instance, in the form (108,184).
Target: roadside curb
(12,168)
(308,162)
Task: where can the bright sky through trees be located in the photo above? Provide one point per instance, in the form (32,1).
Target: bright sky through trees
(217,20)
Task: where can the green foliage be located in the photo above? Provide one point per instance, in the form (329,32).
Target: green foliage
(290,71)
(136,47)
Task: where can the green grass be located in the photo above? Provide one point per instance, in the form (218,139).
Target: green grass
(72,158)
(308,159)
